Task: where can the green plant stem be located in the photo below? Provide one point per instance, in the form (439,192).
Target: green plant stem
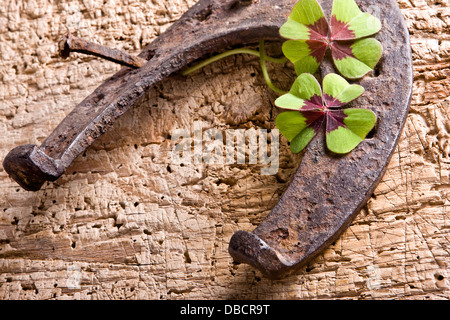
(262,59)
(227,54)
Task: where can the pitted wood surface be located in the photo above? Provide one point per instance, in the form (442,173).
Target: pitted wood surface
(125,222)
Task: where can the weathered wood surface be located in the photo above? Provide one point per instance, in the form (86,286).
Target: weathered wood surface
(127,223)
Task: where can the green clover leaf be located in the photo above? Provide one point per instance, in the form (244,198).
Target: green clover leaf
(354,55)
(310,108)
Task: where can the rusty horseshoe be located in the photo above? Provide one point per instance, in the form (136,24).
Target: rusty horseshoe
(318,205)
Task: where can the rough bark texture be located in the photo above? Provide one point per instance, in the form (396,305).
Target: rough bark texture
(127,223)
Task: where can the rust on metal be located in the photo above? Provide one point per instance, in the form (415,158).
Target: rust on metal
(69,43)
(326,192)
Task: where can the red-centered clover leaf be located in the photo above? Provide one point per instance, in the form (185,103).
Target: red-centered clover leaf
(311,108)
(354,55)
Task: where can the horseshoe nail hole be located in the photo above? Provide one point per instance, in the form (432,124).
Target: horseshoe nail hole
(378,68)
(204,14)
(376,72)
(239,3)
(150,54)
(372,133)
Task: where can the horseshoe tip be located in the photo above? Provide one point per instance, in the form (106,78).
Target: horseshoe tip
(246,247)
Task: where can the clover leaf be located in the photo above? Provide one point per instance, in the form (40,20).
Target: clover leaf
(353,54)
(345,128)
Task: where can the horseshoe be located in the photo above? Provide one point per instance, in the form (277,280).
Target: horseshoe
(326,192)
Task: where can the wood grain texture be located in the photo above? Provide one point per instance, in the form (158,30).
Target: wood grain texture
(125,222)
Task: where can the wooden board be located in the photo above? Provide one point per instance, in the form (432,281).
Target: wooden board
(127,223)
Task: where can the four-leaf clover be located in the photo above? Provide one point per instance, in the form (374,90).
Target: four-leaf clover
(354,55)
(345,128)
